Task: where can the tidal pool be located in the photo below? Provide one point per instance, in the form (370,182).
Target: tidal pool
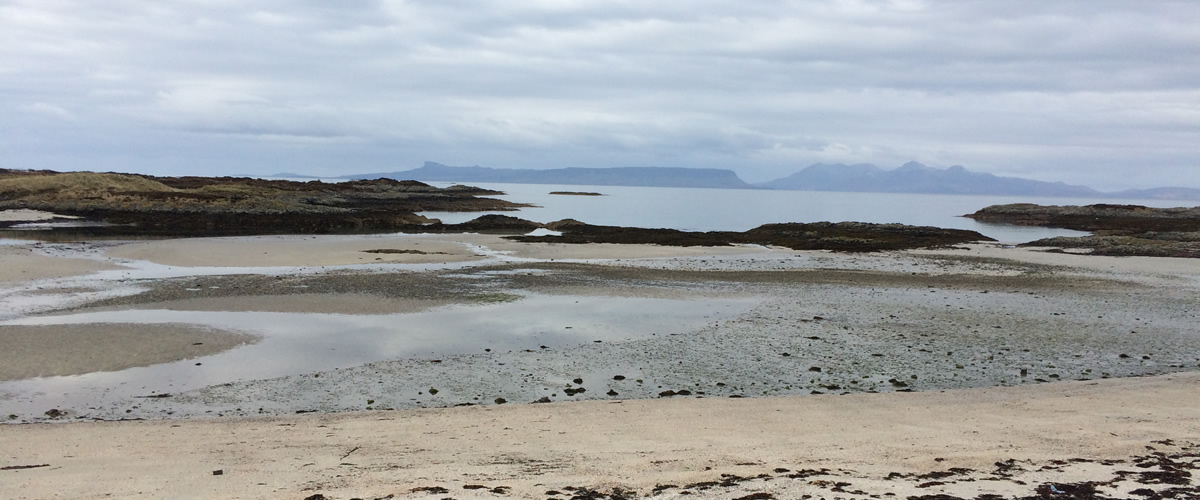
(298,343)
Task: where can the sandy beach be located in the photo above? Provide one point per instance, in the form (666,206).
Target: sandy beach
(368,366)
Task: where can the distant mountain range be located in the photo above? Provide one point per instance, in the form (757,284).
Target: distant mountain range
(912,177)
(617,176)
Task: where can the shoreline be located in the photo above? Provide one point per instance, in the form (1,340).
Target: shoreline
(1089,429)
(863,309)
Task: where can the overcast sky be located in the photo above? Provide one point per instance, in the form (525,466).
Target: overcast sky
(1104,93)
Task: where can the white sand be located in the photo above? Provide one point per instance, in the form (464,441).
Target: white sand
(270,251)
(631,444)
(23,263)
(1034,255)
(24,215)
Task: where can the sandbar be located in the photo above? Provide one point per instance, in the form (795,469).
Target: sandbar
(22,263)
(56,350)
(269,251)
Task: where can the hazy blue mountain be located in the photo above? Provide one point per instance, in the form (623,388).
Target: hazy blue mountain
(1166,193)
(617,176)
(913,177)
(289,175)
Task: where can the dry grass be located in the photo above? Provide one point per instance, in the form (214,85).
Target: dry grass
(88,192)
(77,184)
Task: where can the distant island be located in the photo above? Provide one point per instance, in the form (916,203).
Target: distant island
(576,193)
(912,177)
(616,176)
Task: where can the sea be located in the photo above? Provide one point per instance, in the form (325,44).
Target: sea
(706,209)
(703,209)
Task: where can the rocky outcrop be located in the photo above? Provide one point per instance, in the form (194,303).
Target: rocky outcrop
(1120,230)
(1185,245)
(129,204)
(841,236)
(1101,217)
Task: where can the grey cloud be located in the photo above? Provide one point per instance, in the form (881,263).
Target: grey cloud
(1081,90)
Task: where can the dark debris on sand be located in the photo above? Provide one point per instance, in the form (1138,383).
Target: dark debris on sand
(1159,475)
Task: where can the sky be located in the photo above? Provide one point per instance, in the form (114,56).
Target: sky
(1104,93)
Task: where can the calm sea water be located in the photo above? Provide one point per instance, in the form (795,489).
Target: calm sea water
(695,209)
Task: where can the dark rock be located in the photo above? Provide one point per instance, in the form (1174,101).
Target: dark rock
(214,206)
(841,236)
(23,467)
(437,490)
(1120,230)
(1063,490)
(762,495)
(501,401)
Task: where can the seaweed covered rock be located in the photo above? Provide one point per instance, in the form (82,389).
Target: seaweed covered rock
(840,236)
(1120,230)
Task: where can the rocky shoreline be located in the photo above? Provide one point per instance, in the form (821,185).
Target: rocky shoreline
(119,205)
(126,205)
(839,236)
(1119,230)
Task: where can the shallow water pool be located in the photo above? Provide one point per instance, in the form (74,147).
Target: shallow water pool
(297,343)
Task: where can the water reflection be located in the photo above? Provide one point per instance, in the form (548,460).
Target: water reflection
(296,343)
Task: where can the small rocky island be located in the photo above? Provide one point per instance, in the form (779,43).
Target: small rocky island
(1118,230)
(840,236)
(115,204)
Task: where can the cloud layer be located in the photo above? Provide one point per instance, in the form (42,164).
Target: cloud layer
(1100,92)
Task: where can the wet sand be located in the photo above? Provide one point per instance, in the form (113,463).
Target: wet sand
(45,351)
(369,249)
(20,263)
(957,320)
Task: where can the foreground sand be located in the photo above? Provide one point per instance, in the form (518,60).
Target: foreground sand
(630,445)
